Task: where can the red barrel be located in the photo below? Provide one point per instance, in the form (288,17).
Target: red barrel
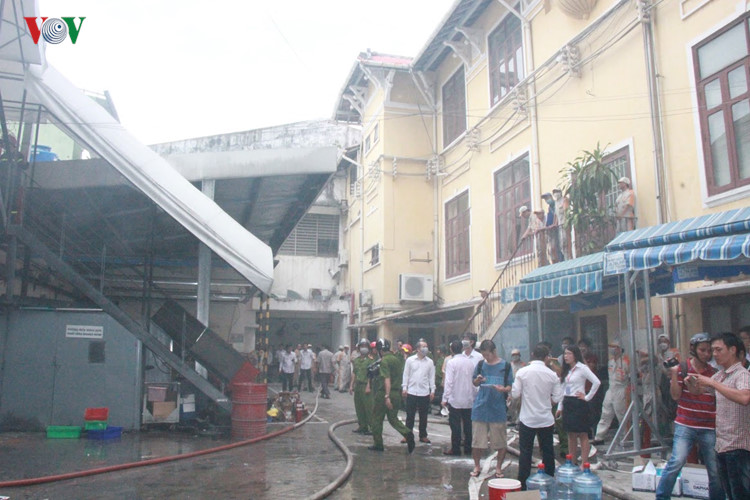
(249,409)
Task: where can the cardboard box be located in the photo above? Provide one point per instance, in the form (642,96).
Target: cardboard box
(644,477)
(694,481)
(163,409)
(677,489)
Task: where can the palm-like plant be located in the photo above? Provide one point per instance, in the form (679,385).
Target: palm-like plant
(586,181)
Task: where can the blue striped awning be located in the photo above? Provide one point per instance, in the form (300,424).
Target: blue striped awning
(735,221)
(718,248)
(571,277)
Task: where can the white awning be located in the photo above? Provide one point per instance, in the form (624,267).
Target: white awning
(153,175)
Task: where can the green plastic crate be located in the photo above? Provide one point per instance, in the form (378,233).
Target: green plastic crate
(63,432)
(95,425)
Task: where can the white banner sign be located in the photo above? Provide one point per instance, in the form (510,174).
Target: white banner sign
(84,331)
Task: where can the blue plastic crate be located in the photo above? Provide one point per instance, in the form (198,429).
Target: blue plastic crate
(109,433)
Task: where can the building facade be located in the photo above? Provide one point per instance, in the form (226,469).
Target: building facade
(501,102)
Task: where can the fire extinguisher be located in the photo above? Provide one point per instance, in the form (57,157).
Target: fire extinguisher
(298,410)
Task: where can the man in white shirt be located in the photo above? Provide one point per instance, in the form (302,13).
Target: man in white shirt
(458,397)
(287,362)
(418,388)
(468,341)
(306,359)
(538,387)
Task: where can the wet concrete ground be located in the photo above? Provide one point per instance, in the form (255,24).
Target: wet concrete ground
(295,464)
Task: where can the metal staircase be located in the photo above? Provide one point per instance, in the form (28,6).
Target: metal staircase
(491,312)
(92,293)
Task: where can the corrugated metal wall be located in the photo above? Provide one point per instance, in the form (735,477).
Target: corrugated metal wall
(53,369)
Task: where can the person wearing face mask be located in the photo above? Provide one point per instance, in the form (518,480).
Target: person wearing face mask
(418,388)
(358,387)
(467,344)
(665,353)
(514,405)
(695,422)
(617,397)
(665,350)
(458,398)
(562,204)
(549,221)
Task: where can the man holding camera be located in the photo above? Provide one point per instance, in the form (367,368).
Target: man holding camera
(695,422)
(731,384)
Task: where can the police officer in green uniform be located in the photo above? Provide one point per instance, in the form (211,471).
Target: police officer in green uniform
(358,386)
(386,395)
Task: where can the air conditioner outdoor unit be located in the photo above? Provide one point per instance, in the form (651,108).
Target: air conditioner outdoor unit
(417,287)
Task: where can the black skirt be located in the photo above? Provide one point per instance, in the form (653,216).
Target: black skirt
(575,416)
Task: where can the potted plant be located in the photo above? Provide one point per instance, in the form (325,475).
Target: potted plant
(586,181)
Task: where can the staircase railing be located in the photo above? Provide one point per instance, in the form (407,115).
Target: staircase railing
(513,270)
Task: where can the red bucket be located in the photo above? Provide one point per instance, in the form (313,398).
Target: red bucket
(499,487)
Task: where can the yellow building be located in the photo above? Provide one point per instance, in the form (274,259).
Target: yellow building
(501,99)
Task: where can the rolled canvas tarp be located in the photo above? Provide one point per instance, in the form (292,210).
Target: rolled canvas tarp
(153,175)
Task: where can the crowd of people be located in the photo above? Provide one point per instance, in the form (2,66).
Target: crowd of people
(482,394)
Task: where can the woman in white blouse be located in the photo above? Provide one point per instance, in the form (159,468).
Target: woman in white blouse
(574,407)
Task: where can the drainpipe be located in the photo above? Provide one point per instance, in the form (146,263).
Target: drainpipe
(430,99)
(436,208)
(657,137)
(361,234)
(646,13)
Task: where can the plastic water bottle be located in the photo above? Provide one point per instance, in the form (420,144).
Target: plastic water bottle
(565,474)
(587,486)
(542,482)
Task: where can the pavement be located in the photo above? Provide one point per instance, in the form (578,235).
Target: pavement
(297,463)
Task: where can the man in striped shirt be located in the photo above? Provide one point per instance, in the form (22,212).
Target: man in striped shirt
(695,422)
(732,388)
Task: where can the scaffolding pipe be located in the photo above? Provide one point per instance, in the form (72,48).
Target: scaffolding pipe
(633,365)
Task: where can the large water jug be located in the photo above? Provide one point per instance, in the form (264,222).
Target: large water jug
(542,482)
(587,486)
(565,474)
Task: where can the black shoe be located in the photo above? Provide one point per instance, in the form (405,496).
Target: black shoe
(410,442)
(375,448)
(366,433)
(451,452)
(357,431)
(597,441)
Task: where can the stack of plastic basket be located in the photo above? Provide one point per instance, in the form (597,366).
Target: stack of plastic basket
(97,424)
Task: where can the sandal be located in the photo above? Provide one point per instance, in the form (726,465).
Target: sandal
(475,473)
(499,475)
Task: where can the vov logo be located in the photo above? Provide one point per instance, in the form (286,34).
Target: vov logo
(54,29)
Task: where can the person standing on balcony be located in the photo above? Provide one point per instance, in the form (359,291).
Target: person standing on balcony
(534,224)
(550,234)
(561,213)
(625,206)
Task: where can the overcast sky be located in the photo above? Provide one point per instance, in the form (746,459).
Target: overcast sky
(186,68)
